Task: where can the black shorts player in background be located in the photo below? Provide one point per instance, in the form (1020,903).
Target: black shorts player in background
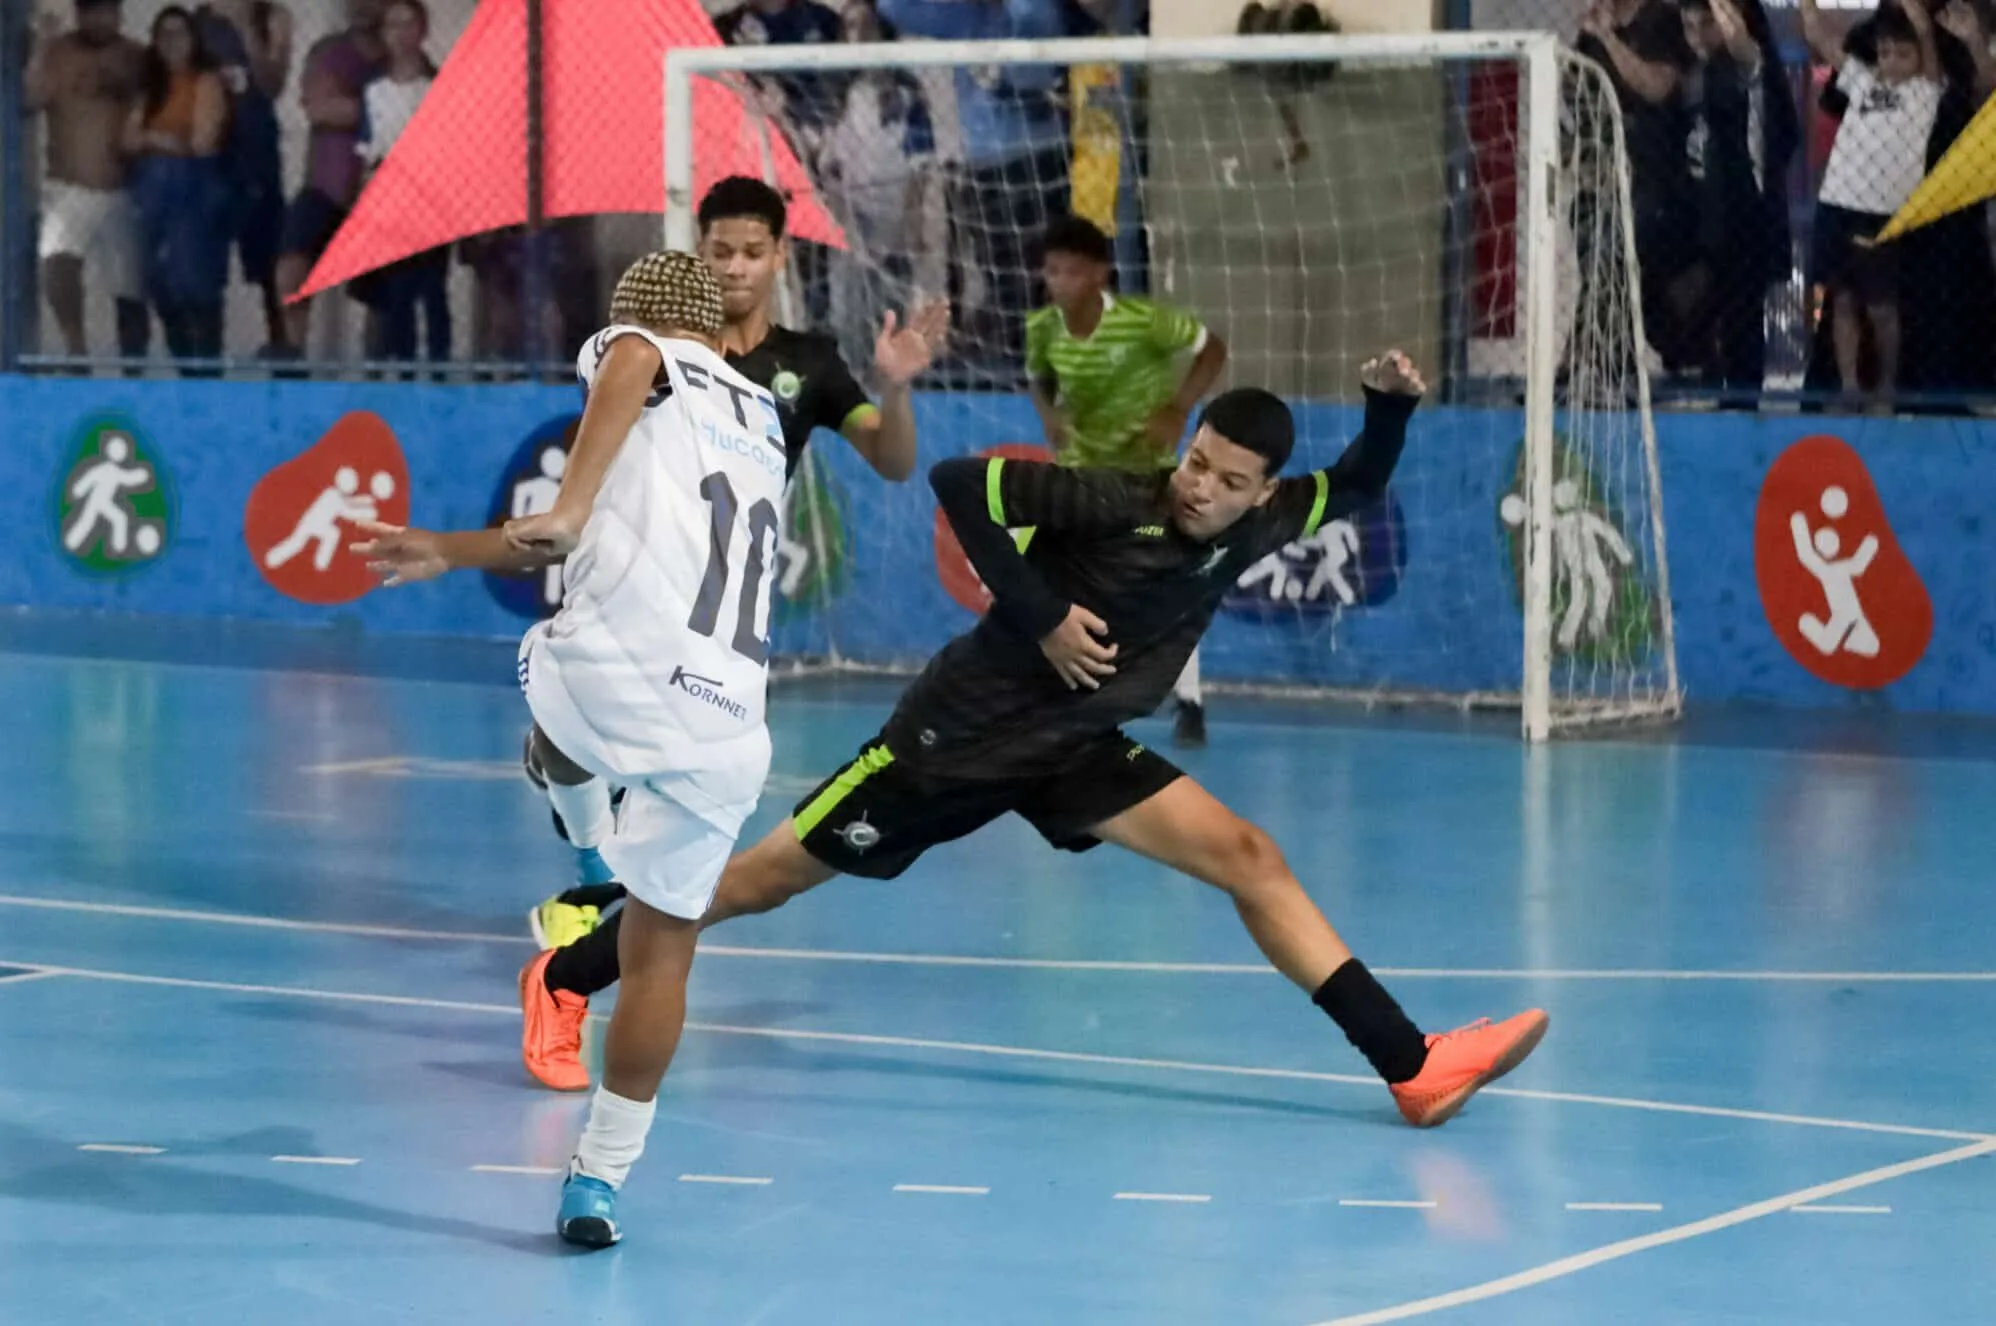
(1087,630)
(743,239)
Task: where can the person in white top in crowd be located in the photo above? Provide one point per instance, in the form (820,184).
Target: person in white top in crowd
(87,82)
(652,675)
(1875,164)
(388,103)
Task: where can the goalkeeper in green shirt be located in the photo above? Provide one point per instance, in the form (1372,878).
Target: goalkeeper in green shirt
(1114,378)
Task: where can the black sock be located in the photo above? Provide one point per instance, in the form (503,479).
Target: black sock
(589,965)
(599,896)
(1373,1022)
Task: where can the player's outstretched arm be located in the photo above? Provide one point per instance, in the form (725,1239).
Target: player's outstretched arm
(624,383)
(1358,478)
(885,436)
(404,556)
(984,499)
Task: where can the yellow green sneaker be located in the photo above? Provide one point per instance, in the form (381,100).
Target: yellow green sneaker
(557,924)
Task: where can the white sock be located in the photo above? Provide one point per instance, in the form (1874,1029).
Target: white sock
(584,810)
(1186,688)
(614,1137)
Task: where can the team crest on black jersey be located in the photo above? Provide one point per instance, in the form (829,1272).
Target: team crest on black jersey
(786,386)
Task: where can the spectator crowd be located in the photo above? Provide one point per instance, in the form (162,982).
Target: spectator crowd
(1766,149)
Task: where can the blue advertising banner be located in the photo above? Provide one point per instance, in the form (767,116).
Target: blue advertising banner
(1812,560)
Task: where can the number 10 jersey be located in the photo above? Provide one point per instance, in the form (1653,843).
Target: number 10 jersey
(655,667)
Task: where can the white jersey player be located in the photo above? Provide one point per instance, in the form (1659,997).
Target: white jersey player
(652,674)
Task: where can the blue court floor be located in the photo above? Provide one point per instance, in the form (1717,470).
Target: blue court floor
(259,929)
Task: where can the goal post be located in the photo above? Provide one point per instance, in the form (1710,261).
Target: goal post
(1313,200)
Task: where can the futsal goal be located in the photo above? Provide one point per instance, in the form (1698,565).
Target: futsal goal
(1314,200)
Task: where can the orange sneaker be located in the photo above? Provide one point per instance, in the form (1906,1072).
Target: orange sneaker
(1464,1061)
(551,1033)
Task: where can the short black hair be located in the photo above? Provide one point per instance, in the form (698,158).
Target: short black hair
(1891,24)
(1256,419)
(1079,236)
(742,197)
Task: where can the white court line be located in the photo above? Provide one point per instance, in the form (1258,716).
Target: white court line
(1025,1052)
(1190,1198)
(945,1189)
(537,1170)
(1008,963)
(739,1180)
(316,1160)
(1739,1215)
(123,1149)
(1387,1204)
(1614,1206)
(39,974)
(1813,1209)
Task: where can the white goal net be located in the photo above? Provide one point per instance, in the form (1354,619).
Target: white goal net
(1313,201)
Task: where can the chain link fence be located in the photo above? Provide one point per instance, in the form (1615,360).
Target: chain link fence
(168,177)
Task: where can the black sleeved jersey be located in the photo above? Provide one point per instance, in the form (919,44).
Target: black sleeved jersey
(811,383)
(989,704)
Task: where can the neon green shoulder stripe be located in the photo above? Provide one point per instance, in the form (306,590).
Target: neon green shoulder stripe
(994,491)
(1317,507)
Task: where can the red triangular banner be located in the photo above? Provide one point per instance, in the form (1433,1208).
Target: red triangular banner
(459,169)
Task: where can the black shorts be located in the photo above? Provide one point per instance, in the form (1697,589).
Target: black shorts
(875,817)
(1844,258)
(310,224)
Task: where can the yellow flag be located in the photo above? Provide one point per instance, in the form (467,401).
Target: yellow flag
(1098,143)
(1964,177)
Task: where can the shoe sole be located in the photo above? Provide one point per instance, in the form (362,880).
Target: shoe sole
(1520,1050)
(588,1232)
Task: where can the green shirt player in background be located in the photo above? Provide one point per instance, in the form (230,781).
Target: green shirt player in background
(1115,378)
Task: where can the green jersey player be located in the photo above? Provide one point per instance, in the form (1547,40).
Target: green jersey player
(1114,378)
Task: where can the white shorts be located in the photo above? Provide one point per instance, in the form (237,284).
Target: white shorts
(674,831)
(99,226)
(664,855)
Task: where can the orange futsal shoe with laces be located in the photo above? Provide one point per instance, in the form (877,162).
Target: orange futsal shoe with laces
(1463,1062)
(551,1029)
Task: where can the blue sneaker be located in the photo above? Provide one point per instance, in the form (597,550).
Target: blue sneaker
(588,1216)
(591,868)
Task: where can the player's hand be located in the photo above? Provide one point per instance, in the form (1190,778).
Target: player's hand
(1080,659)
(1393,373)
(903,354)
(551,534)
(1961,19)
(1166,429)
(399,556)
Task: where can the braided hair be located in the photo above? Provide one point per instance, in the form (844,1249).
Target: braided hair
(668,289)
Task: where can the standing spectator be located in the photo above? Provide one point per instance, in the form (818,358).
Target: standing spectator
(878,158)
(1640,43)
(1945,269)
(806,103)
(1015,148)
(337,70)
(1950,321)
(174,140)
(87,81)
(1875,164)
(389,103)
(1743,134)
(250,42)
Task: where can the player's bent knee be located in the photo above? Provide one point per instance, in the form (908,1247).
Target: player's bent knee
(555,766)
(1249,860)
